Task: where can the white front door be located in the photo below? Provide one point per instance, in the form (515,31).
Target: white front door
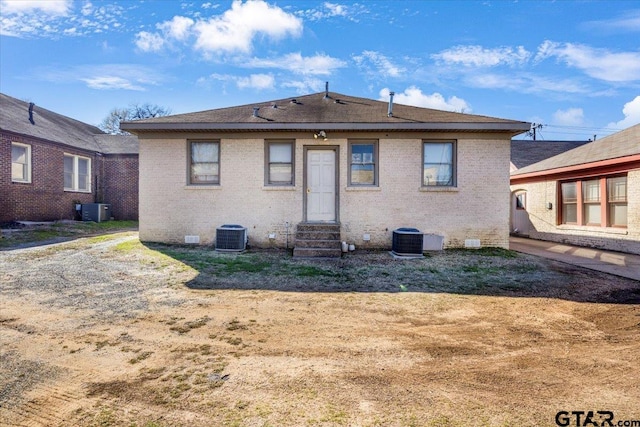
(321,185)
(521,224)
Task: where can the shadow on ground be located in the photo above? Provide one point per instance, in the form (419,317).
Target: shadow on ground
(488,271)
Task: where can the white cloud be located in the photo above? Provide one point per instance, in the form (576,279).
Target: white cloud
(377,64)
(569,117)
(628,23)
(178,28)
(107,76)
(525,83)
(319,64)
(414,96)
(256,81)
(330,10)
(601,64)
(253,81)
(111,82)
(51,7)
(305,86)
(235,29)
(477,56)
(149,42)
(54,19)
(631,111)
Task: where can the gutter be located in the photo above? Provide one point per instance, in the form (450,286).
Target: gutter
(618,164)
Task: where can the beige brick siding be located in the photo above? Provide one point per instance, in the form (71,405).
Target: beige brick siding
(544,226)
(478,208)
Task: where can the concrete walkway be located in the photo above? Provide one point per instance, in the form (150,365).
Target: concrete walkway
(618,263)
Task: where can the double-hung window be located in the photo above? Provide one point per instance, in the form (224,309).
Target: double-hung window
(597,201)
(204,162)
(279,168)
(20,162)
(77,173)
(591,202)
(439,164)
(569,195)
(617,201)
(363,163)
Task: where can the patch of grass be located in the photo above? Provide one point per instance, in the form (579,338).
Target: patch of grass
(62,230)
(486,251)
(188,326)
(311,271)
(235,325)
(140,357)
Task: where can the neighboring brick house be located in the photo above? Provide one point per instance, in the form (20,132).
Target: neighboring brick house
(587,196)
(366,166)
(49,162)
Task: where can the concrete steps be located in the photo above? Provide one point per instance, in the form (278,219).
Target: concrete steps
(317,240)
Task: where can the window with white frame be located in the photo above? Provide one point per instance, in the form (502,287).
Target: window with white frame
(439,164)
(20,162)
(77,173)
(204,162)
(279,157)
(363,163)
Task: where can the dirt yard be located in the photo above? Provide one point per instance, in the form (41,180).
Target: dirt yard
(106,331)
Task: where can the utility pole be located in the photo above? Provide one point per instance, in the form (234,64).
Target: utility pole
(534,127)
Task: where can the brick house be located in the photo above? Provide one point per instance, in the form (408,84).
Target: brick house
(587,196)
(49,162)
(365,167)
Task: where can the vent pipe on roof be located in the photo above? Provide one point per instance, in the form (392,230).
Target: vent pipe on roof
(326,90)
(31,105)
(390,111)
(255,111)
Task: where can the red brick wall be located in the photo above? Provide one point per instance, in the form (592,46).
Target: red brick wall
(120,185)
(44,198)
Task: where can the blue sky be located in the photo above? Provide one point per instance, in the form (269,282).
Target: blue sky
(573,66)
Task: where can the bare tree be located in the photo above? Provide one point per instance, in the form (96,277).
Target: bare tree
(111,123)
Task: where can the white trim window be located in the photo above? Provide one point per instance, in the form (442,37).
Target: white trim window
(77,173)
(20,162)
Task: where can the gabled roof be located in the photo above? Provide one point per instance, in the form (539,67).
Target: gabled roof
(622,145)
(527,152)
(54,127)
(325,111)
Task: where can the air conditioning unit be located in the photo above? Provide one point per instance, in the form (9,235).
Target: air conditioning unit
(96,212)
(407,242)
(231,238)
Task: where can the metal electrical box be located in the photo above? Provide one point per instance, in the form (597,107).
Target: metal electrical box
(96,212)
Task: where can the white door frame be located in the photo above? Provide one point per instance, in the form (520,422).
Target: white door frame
(305,188)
